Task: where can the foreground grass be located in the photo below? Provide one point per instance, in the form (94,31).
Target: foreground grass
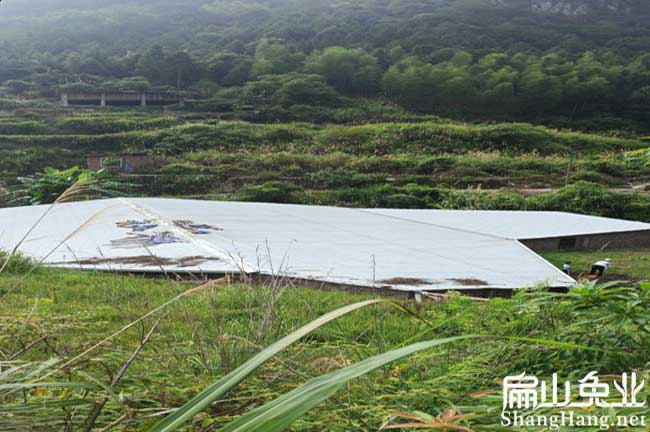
(211,332)
(206,336)
(628,263)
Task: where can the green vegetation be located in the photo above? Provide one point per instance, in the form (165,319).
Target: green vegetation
(628,263)
(165,134)
(55,313)
(54,185)
(457,104)
(422,164)
(454,57)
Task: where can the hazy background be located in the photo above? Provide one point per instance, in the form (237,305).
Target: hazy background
(501,59)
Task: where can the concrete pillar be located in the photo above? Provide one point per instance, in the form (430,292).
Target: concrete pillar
(143,99)
(64,99)
(103,101)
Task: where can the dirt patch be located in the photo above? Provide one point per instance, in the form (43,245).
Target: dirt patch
(405,281)
(614,277)
(470,282)
(144,261)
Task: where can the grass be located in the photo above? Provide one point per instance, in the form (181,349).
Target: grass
(390,164)
(80,308)
(171,136)
(340,164)
(628,263)
(211,332)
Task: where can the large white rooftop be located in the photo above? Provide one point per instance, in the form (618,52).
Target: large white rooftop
(412,250)
(521,225)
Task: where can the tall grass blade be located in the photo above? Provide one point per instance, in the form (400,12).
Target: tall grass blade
(219,388)
(281,412)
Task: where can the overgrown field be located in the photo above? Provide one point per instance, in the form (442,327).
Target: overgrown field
(59,314)
(424,163)
(629,264)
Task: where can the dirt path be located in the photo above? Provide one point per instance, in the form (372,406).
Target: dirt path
(642,189)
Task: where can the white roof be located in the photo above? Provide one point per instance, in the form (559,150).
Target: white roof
(521,225)
(387,249)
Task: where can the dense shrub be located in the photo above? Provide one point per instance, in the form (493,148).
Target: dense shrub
(17,263)
(104,125)
(274,191)
(586,198)
(168,136)
(22,127)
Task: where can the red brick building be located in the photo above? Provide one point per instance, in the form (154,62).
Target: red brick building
(125,164)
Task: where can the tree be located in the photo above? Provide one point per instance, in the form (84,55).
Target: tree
(182,69)
(351,71)
(641,96)
(229,68)
(275,58)
(91,60)
(306,90)
(131,83)
(410,83)
(291,89)
(176,69)
(152,65)
(588,84)
(78,87)
(538,91)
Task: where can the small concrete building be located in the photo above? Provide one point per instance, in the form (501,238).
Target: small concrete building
(119,99)
(125,164)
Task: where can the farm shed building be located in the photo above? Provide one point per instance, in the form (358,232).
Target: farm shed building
(403,250)
(122,163)
(541,231)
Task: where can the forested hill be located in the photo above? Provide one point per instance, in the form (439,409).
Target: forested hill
(519,59)
(412,24)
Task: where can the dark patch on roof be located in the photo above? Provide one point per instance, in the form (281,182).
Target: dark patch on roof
(405,281)
(149,240)
(196,228)
(144,260)
(470,282)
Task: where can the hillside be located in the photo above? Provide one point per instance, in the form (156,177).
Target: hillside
(397,161)
(574,7)
(585,61)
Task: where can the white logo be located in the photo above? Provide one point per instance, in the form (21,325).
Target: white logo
(528,393)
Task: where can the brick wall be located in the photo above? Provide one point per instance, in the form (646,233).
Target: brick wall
(133,162)
(94,163)
(127,163)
